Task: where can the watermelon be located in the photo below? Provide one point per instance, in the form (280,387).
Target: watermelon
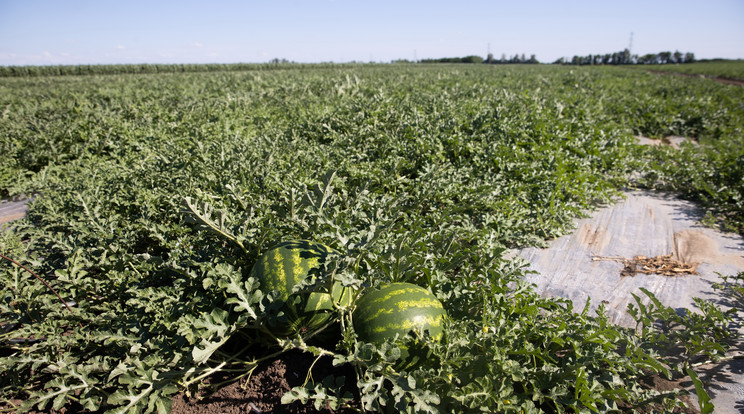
(283,267)
(397,309)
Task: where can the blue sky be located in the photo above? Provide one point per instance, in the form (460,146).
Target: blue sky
(52,32)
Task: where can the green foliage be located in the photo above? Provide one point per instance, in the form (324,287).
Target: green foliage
(683,336)
(732,289)
(141,69)
(711,174)
(727,69)
(157,193)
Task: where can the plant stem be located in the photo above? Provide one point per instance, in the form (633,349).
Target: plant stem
(42,281)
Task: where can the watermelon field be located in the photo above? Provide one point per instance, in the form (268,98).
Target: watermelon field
(732,70)
(138,276)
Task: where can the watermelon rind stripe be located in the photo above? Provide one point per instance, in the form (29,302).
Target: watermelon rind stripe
(420,321)
(281,268)
(395,310)
(401,307)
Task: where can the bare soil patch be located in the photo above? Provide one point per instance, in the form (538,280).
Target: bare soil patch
(671,141)
(695,246)
(664,385)
(262,392)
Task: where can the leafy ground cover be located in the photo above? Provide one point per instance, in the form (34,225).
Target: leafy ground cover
(157,193)
(725,69)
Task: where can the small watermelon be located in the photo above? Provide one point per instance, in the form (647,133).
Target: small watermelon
(283,267)
(398,308)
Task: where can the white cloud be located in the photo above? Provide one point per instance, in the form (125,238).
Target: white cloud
(198,44)
(46,57)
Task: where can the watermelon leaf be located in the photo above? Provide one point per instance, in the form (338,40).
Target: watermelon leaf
(203,214)
(706,405)
(244,294)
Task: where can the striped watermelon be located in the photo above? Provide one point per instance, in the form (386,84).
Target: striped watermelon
(398,308)
(284,266)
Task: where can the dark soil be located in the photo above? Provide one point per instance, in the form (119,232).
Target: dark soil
(262,392)
(664,385)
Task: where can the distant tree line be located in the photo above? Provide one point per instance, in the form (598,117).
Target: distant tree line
(514,59)
(626,58)
(466,59)
(490,59)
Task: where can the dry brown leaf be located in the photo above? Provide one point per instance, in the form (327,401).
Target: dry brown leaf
(662,265)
